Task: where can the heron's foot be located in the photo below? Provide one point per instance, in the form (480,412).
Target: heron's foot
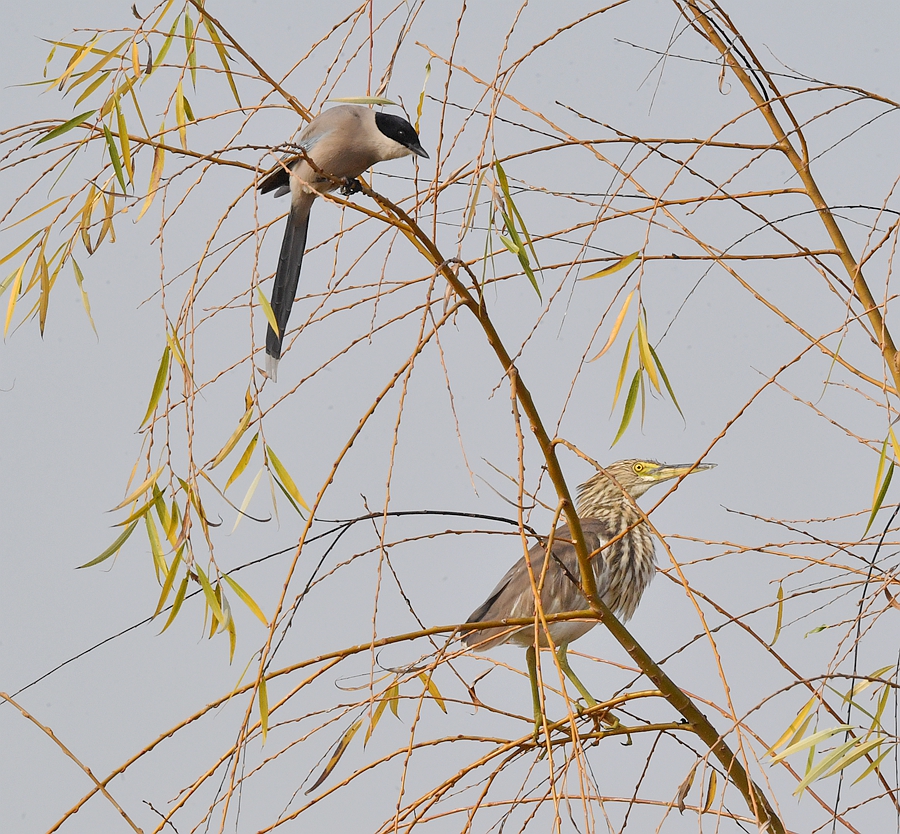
(350,186)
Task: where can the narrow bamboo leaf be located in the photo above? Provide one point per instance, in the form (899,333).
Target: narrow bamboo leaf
(242,463)
(336,756)
(92,87)
(135,59)
(208,592)
(881,495)
(155,177)
(180,116)
(863,685)
(823,764)
(860,750)
(422,95)
(880,470)
(156,551)
(616,327)
(710,791)
(286,494)
(815,738)
(646,356)
(619,264)
(214,624)
(815,630)
(166,43)
(77,57)
(85,301)
(285,478)
(393,697)
(121,90)
(879,710)
(509,244)
(514,212)
(223,57)
(376,717)
(105,57)
(114,548)
(169,582)
(780,613)
(230,628)
(628,411)
(65,127)
(176,605)
(190,47)
(44,298)
(138,514)
(14,297)
(665,379)
(236,435)
(114,156)
(894,445)
(432,688)
(246,599)
(622,371)
(21,246)
(267,310)
(125,143)
(379,100)
(159,384)
(470,218)
(874,765)
(247,498)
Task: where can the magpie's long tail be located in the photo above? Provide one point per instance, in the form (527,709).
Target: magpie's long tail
(287,276)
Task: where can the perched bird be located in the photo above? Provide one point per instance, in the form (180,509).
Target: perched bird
(622,570)
(342,143)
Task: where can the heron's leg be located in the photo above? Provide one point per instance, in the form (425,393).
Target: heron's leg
(563,661)
(531,660)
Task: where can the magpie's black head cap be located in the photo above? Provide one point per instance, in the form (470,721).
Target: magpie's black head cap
(401,131)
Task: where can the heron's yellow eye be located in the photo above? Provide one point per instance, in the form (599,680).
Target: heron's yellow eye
(638,467)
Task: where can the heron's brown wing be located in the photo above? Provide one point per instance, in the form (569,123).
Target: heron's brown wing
(513,597)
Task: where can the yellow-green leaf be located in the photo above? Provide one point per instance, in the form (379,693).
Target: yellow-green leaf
(112,549)
(114,156)
(285,478)
(169,581)
(646,356)
(85,301)
(155,177)
(13,298)
(432,688)
(619,264)
(615,331)
(665,378)
(208,592)
(190,47)
(879,500)
(780,613)
(861,748)
(386,102)
(874,765)
(242,463)
(65,127)
(236,435)
(809,741)
(176,605)
(710,791)
(628,411)
(336,756)
(159,384)
(247,498)
(124,142)
(267,310)
(246,599)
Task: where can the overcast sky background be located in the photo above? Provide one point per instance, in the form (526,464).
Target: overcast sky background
(70,405)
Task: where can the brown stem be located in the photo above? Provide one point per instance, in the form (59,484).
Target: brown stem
(700,21)
(756,800)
